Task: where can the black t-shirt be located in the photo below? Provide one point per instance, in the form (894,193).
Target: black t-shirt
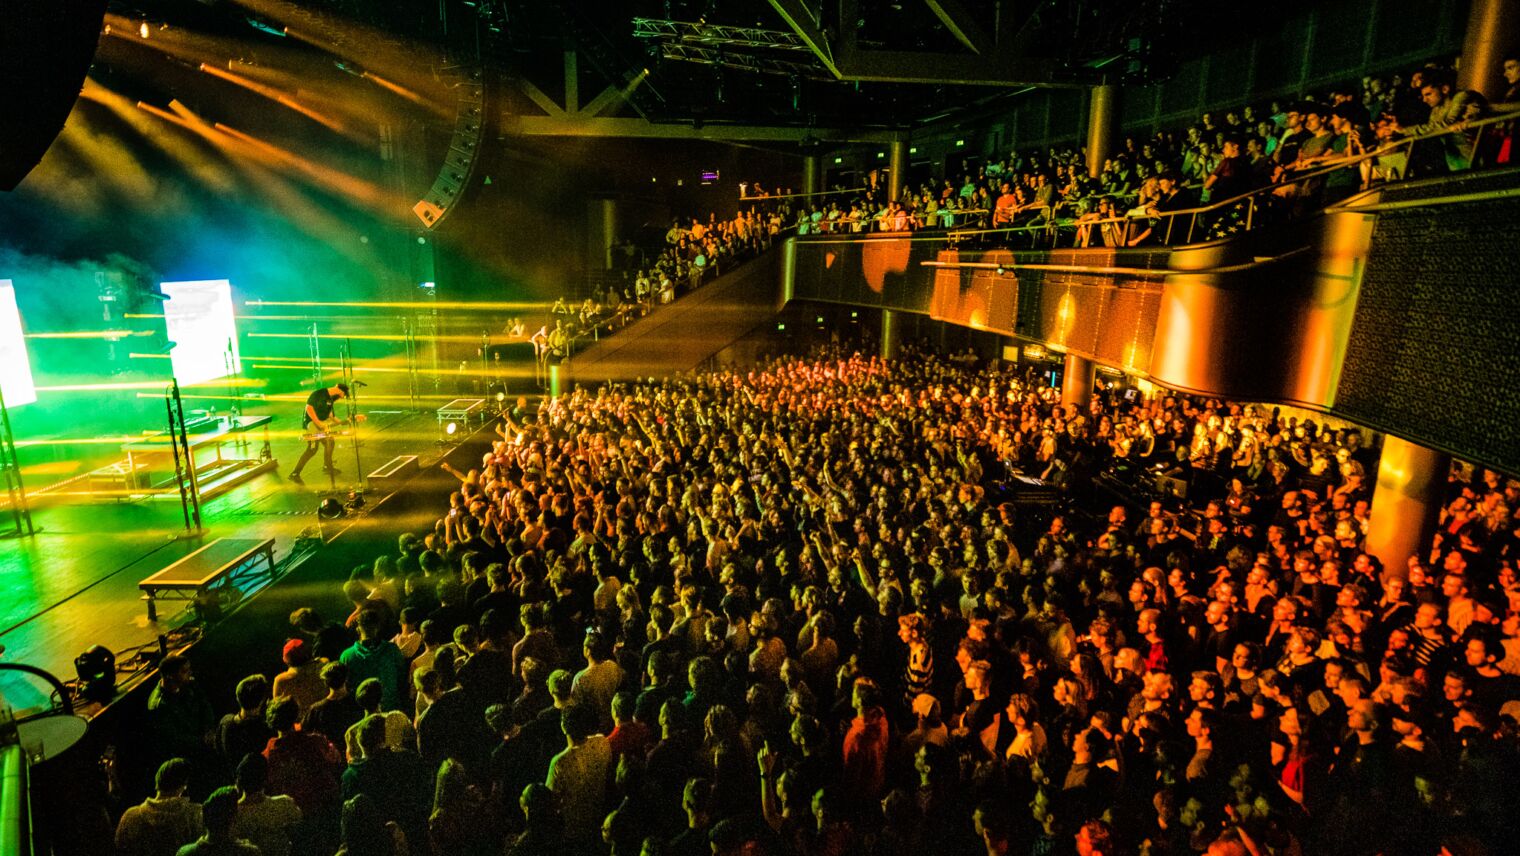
(321,403)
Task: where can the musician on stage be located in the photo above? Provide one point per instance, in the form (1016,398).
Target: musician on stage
(318,418)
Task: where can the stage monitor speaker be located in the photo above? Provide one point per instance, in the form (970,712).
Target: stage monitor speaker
(1169,486)
(46,47)
(394,472)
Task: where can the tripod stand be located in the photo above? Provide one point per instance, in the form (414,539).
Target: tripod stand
(10,466)
(354,503)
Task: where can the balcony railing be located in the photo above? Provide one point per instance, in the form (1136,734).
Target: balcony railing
(1265,204)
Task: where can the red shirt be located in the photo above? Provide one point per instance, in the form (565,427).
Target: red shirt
(1155,658)
(629,738)
(304,767)
(865,756)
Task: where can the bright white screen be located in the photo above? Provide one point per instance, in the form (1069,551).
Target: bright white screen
(15,368)
(199,321)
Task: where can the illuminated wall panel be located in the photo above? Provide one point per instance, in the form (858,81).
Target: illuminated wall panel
(15,367)
(198,317)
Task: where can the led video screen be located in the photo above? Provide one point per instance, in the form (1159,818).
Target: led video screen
(15,368)
(198,318)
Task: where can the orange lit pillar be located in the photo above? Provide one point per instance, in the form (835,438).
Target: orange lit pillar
(897,164)
(1102,126)
(1411,486)
(891,334)
(1077,381)
(1493,33)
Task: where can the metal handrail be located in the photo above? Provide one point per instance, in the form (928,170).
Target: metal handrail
(1250,197)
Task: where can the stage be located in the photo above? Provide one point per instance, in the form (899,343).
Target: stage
(75,583)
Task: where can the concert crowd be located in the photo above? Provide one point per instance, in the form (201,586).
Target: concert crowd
(804,610)
(1284,144)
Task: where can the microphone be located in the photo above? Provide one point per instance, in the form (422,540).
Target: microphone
(360,384)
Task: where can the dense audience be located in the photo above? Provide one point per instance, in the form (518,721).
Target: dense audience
(693,252)
(801,609)
(1049,199)
(1220,157)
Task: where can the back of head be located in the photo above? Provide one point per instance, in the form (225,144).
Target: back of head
(559,685)
(335,676)
(172,777)
(451,786)
(369,624)
(494,626)
(623,705)
(371,734)
(297,653)
(219,811)
(364,829)
(252,773)
(369,694)
(282,715)
(252,691)
(538,803)
(578,721)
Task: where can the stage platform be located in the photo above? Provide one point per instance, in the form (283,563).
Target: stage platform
(75,583)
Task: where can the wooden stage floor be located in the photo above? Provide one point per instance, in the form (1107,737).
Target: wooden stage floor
(74,584)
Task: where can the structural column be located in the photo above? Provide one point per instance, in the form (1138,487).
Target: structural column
(891,334)
(556,377)
(1102,126)
(811,175)
(897,163)
(1077,381)
(1411,486)
(1493,33)
(602,233)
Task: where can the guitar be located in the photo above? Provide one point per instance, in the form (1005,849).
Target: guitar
(332,430)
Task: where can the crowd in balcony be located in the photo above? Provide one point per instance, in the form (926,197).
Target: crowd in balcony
(693,252)
(800,610)
(1286,145)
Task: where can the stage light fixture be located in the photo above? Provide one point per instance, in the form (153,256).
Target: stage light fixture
(96,668)
(199,316)
(330,509)
(143,30)
(451,428)
(16,384)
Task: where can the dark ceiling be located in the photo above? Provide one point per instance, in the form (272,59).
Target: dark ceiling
(749,80)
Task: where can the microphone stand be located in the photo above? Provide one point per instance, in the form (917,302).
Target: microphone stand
(184,467)
(346,364)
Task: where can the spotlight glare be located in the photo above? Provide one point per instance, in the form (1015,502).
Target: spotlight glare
(450,428)
(142,30)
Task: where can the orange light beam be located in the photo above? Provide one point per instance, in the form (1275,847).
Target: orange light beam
(398,89)
(275,95)
(172,118)
(357,189)
(185,113)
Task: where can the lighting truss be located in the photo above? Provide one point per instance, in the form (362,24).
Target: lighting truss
(739,61)
(702,33)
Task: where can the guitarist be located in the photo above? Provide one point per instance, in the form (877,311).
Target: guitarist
(319,416)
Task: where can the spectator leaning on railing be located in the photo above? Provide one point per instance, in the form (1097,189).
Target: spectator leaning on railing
(1050,193)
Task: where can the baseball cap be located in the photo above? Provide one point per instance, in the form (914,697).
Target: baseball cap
(297,651)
